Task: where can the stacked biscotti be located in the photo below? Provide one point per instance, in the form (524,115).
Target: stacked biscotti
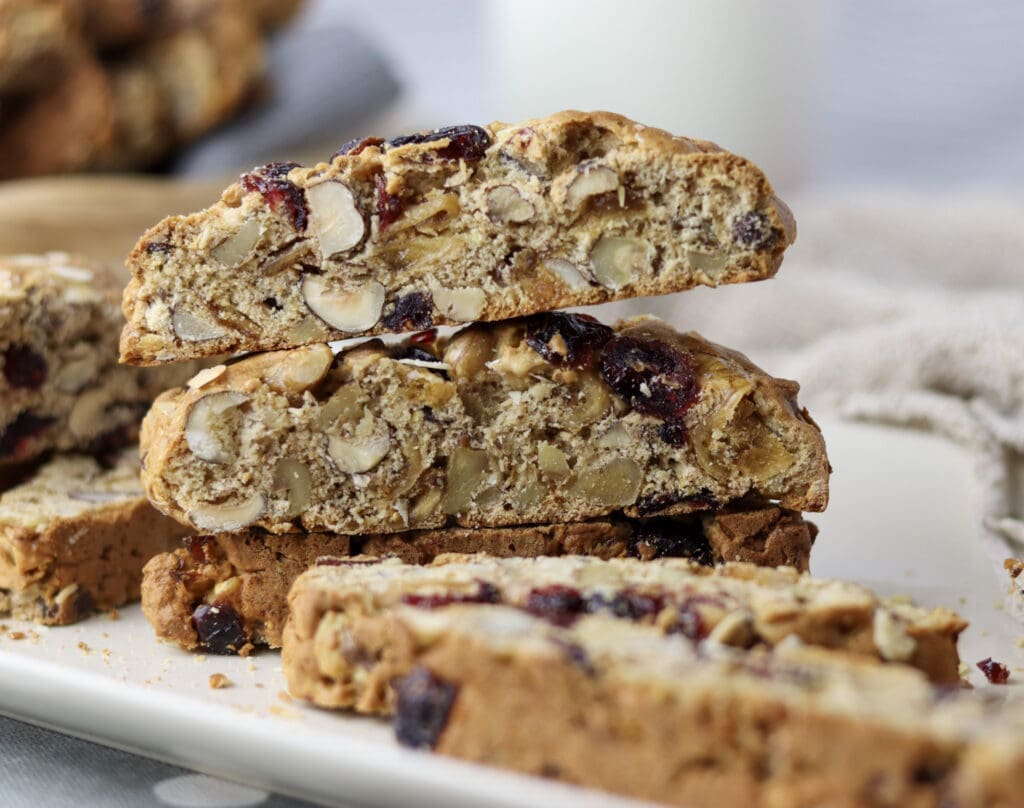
(522,430)
(75,526)
(121,84)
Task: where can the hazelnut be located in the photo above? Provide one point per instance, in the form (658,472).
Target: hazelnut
(618,261)
(469,351)
(207,423)
(461,305)
(590,180)
(356,455)
(615,484)
(350,310)
(300,369)
(238,246)
(566,272)
(192,328)
(225,517)
(505,205)
(334,217)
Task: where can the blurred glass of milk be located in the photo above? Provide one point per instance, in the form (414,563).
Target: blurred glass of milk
(746,74)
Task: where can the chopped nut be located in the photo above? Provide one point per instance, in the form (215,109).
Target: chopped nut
(506,205)
(617,261)
(567,272)
(469,352)
(205,376)
(463,305)
(219,681)
(617,437)
(238,246)
(552,461)
(292,480)
(86,416)
(229,586)
(425,506)
(334,217)
(616,484)
(206,425)
(75,375)
(590,181)
(225,517)
(444,205)
(192,328)
(300,369)
(345,309)
(345,405)
(589,403)
(467,469)
(706,262)
(306,330)
(356,455)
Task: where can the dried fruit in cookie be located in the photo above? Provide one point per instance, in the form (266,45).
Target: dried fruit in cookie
(412,312)
(466,142)
(24,368)
(567,340)
(219,628)
(652,376)
(284,197)
(424,701)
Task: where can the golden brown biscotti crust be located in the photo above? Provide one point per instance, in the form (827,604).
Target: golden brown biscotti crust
(247,574)
(460,225)
(537,421)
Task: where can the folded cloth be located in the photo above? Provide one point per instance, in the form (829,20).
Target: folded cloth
(899,308)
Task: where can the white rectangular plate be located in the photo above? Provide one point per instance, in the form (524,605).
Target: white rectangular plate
(897,521)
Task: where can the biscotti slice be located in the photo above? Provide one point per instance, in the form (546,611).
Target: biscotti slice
(446,227)
(74,538)
(611,704)
(228,592)
(61,387)
(549,419)
(339,652)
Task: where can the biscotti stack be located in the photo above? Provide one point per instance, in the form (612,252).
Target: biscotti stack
(525,431)
(75,526)
(121,84)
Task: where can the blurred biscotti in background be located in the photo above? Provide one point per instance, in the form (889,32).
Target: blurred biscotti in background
(121,85)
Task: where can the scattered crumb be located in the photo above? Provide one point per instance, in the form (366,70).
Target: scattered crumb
(998,605)
(251,666)
(106,636)
(17,635)
(996,672)
(218,681)
(963,600)
(113,614)
(284,696)
(34,635)
(284,712)
(1020,642)
(3,627)
(964,670)
(84,647)
(260,685)
(243,708)
(199,658)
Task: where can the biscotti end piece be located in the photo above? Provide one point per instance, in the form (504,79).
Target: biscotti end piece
(611,704)
(337,652)
(246,575)
(458,225)
(553,418)
(61,387)
(75,536)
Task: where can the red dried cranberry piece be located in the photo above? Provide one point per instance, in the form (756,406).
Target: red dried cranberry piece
(628,604)
(566,340)
(689,623)
(389,207)
(356,145)
(412,312)
(423,703)
(424,337)
(558,604)
(21,431)
(283,196)
(486,593)
(651,375)
(752,230)
(196,546)
(219,628)
(659,502)
(671,538)
(466,142)
(24,368)
(996,672)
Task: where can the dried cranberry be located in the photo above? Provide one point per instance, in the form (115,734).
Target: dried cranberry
(689,623)
(271,181)
(424,337)
(219,628)
(24,368)
(334,561)
(557,603)
(159,247)
(700,501)
(566,340)
(651,375)
(413,352)
(83,604)
(412,312)
(628,604)
(465,142)
(20,432)
(672,538)
(996,672)
(423,703)
(356,145)
(389,206)
(196,546)
(752,230)
(674,433)
(486,593)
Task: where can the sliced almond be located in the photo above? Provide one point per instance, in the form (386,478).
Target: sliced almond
(238,246)
(225,517)
(205,426)
(86,418)
(334,217)
(506,205)
(567,272)
(349,310)
(463,305)
(357,455)
(590,181)
(192,328)
(618,261)
(300,369)
(205,376)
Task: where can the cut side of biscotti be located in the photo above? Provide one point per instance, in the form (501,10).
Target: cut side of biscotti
(457,225)
(74,537)
(228,592)
(549,419)
(61,387)
(339,650)
(612,704)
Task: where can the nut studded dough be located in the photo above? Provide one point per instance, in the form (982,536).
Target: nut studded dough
(338,652)
(457,225)
(611,704)
(481,430)
(74,538)
(60,384)
(246,575)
